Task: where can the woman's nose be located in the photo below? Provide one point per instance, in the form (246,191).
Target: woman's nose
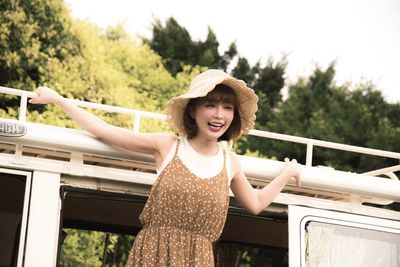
(219,112)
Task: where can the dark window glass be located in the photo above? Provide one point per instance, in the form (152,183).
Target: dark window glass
(12,191)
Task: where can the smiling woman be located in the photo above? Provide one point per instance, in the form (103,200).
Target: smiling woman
(188,204)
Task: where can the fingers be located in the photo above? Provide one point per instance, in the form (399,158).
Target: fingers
(44,95)
(288,160)
(34,98)
(295,168)
(298,181)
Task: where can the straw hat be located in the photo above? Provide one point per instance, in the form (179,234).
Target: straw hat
(204,83)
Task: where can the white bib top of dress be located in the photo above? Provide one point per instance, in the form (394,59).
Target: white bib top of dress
(202,166)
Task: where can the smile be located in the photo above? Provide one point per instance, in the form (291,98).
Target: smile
(216,126)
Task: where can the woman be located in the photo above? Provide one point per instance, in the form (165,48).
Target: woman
(188,203)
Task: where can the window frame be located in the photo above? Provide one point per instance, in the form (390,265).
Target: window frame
(300,216)
(25,210)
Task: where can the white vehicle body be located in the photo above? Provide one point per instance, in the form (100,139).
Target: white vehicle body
(59,168)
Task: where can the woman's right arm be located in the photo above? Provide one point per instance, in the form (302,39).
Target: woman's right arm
(152,143)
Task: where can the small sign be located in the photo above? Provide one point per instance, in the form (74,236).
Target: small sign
(12,129)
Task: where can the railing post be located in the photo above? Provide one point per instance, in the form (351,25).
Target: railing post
(136,123)
(22,107)
(309,154)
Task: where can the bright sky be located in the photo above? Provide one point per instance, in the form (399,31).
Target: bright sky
(362,36)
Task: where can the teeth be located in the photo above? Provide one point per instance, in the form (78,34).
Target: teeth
(216,124)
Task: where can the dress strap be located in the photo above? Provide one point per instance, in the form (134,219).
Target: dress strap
(178,141)
(224,151)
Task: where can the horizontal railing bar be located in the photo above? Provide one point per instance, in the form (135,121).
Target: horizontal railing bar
(18,92)
(88,104)
(120,110)
(259,133)
(320,143)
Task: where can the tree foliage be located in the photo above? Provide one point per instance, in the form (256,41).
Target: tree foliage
(92,248)
(317,108)
(175,45)
(32,33)
(81,61)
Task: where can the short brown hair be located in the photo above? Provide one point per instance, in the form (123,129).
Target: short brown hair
(221,93)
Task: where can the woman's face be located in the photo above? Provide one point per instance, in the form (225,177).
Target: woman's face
(213,118)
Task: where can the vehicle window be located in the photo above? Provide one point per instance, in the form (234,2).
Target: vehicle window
(339,245)
(12,191)
(99,228)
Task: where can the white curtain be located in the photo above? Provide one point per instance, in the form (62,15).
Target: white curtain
(329,245)
(319,242)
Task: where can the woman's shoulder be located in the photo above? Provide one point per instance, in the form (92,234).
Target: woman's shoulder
(167,137)
(228,148)
(165,140)
(234,162)
(234,157)
(163,143)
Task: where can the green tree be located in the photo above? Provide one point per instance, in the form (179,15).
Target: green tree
(267,82)
(31,34)
(208,55)
(244,71)
(268,86)
(82,248)
(103,66)
(175,45)
(318,108)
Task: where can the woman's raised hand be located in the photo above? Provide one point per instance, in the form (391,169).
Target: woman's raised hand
(293,169)
(45,95)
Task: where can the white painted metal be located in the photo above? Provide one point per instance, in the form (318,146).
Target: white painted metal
(136,123)
(309,154)
(118,109)
(315,142)
(389,171)
(307,141)
(22,107)
(21,245)
(80,143)
(143,178)
(327,179)
(90,171)
(44,220)
(13,91)
(46,136)
(300,216)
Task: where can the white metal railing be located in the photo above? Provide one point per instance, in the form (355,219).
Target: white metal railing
(138,114)
(314,142)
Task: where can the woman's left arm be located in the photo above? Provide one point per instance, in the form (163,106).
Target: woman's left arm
(255,200)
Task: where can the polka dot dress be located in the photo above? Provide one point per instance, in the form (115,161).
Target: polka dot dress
(183,216)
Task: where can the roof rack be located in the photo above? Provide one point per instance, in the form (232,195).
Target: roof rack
(46,142)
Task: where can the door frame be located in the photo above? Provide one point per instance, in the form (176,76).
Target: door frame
(25,210)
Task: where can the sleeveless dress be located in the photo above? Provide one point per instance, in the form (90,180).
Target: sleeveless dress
(183,216)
